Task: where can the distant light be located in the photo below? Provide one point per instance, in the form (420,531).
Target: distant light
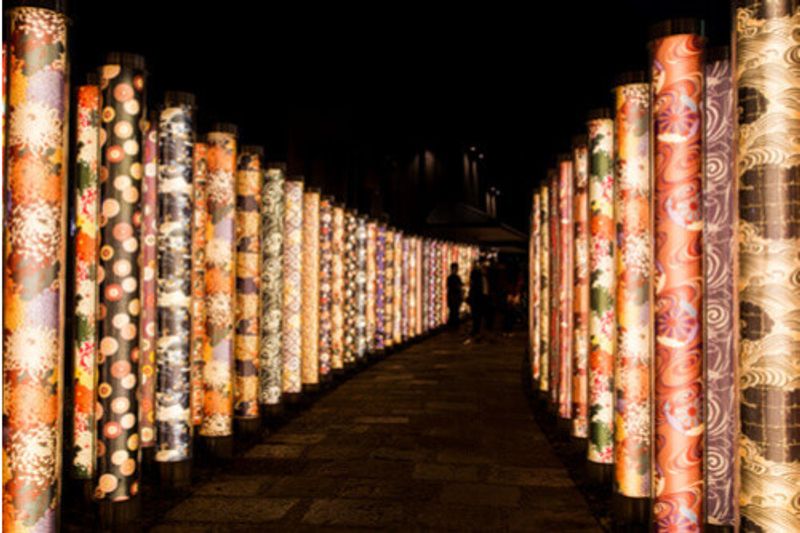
(472,148)
(480,156)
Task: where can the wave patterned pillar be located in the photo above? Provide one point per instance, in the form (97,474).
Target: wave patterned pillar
(677,87)
(270,365)
(602,322)
(291,343)
(634,264)
(122,82)
(719,214)
(35,209)
(247,326)
(337,289)
(199,221)
(580,299)
(84,372)
(220,282)
(174,287)
(768,156)
(565,285)
(325,288)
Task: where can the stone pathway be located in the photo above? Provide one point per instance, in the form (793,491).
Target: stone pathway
(437,436)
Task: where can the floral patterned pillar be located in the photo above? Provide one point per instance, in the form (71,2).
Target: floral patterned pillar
(325,285)
(397,299)
(174,274)
(372,236)
(247,346)
(310,286)
(388,312)
(84,372)
(634,264)
(149,253)
(767,76)
(361,288)
(220,282)
(380,287)
(351,287)
(544,298)
(121,173)
(337,289)
(534,289)
(602,324)
(566,289)
(292,381)
(420,284)
(270,366)
(677,92)
(404,289)
(198,315)
(580,298)
(35,209)
(412,287)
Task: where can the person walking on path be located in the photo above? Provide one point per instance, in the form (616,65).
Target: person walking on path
(455,295)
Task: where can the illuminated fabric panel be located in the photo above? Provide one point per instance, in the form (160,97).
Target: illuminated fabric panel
(634,262)
(677,87)
(380,287)
(291,318)
(767,77)
(388,310)
(149,252)
(534,289)
(372,243)
(361,288)
(351,286)
(566,272)
(337,289)
(174,276)
(119,290)
(544,298)
(35,204)
(270,365)
(84,372)
(220,285)
(580,302)
(397,321)
(555,277)
(419,285)
(404,288)
(199,221)
(602,322)
(325,285)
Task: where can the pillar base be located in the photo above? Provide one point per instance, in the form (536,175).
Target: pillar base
(599,475)
(149,468)
(716,528)
(247,428)
(120,516)
(631,514)
(564,426)
(175,475)
(292,398)
(218,448)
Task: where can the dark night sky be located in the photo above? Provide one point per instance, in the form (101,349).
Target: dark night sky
(517,79)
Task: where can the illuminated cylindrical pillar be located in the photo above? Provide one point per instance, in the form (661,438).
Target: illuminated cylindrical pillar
(325,284)
(602,322)
(174,291)
(337,289)
(361,287)
(404,288)
(270,366)
(412,288)
(555,279)
(291,319)
(719,240)
(397,321)
(247,326)
(580,302)
(84,372)
(198,315)
(534,289)
(380,287)
(122,82)
(372,236)
(420,284)
(388,311)
(310,295)
(220,284)
(767,76)
(35,210)
(544,297)
(634,263)
(566,274)
(350,287)
(677,92)
(148,290)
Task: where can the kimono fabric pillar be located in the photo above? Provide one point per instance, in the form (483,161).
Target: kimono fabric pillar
(199,221)
(397,299)
(412,288)
(580,298)
(350,288)
(361,288)
(217,426)
(337,289)
(420,284)
(555,277)
(174,292)
(325,288)
(719,215)
(404,289)
(121,173)
(310,295)
(634,264)
(249,177)
(566,250)
(84,372)
(270,366)
(388,298)
(544,297)
(372,235)
(534,290)
(291,320)
(380,288)
(35,210)
(677,91)
(602,289)
(767,76)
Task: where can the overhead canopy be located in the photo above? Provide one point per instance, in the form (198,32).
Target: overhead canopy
(462,222)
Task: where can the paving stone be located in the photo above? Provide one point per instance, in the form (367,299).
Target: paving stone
(463,456)
(390,489)
(381,420)
(461,518)
(480,494)
(440,472)
(296,438)
(359,513)
(231,509)
(304,487)
(274,451)
(536,477)
(234,486)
